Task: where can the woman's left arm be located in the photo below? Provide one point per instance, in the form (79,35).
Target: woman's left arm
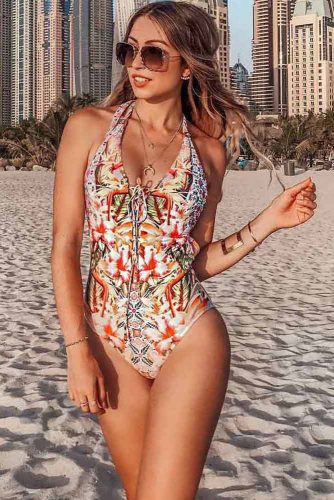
(292,207)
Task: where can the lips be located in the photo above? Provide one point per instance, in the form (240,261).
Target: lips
(140,76)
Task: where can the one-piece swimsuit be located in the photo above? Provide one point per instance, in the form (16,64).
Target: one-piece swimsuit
(142,293)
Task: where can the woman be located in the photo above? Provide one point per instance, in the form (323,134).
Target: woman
(148,352)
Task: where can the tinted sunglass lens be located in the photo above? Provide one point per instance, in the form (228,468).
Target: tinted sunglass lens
(153,57)
(124,53)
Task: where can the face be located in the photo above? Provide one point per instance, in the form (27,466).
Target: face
(157,83)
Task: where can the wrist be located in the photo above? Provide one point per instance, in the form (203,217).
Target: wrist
(78,350)
(263,224)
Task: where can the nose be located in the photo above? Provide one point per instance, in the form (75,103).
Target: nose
(137,61)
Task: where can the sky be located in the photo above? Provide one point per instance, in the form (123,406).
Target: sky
(241,26)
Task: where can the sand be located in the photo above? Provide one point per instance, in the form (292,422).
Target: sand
(275,436)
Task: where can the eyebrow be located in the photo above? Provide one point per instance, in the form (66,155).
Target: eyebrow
(149,41)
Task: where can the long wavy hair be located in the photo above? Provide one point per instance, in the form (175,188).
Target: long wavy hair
(205,102)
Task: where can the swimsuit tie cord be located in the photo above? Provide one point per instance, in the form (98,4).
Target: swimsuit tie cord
(137,200)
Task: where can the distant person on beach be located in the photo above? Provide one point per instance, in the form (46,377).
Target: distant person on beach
(148,351)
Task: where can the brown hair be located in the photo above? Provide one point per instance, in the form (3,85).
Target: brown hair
(205,102)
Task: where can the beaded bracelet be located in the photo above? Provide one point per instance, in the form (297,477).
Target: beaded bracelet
(76,341)
(239,242)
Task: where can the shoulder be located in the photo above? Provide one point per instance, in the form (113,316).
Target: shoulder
(212,154)
(81,120)
(86,127)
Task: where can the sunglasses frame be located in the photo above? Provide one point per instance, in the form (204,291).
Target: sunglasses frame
(166,57)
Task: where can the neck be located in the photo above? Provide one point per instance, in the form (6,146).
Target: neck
(160,116)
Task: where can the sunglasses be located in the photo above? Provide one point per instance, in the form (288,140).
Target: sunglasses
(153,58)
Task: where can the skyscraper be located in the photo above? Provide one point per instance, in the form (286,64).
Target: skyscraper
(23,67)
(5,63)
(280,51)
(270,50)
(92,43)
(52,53)
(40,56)
(262,77)
(240,83)
(311,68)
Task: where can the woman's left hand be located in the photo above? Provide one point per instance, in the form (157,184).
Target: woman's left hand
(294,206)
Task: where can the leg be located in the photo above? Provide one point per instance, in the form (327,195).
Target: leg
(123,423)
(185,404)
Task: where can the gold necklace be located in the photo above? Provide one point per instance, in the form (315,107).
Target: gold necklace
(149,166)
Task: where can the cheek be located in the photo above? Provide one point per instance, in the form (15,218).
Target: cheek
(167,78)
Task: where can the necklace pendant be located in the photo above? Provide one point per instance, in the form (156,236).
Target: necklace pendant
(151,145)
(149,168)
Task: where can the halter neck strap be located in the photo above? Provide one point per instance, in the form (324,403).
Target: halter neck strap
(125,109)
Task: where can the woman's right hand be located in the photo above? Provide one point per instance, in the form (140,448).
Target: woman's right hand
(85,380)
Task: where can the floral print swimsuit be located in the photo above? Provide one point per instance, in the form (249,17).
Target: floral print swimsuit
(142,293)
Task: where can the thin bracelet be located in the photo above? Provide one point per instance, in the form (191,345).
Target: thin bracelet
(252,235)
(76,341)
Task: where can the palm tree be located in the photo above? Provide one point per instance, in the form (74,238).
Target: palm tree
(37,141)
(318,135)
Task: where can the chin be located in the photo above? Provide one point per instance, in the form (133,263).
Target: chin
(144,93)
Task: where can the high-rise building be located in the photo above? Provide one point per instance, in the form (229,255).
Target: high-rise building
(262,77)
(270,50)
(52,53)
(280,50)
(40,56)
(23,59)
(240,83)
(5,63)
(92,44)
(311,67)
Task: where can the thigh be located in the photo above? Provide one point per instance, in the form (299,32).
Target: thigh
(123,423)
(185,404)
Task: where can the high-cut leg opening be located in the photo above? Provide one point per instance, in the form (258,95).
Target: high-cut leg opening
(191,323)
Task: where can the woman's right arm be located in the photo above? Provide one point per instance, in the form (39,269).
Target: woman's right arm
(68,224)
(84,376)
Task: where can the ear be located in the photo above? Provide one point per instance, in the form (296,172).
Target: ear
(186,72)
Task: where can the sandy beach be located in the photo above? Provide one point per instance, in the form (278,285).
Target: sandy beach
(275,436)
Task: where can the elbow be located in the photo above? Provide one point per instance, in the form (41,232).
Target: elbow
(63,247)
(197,272)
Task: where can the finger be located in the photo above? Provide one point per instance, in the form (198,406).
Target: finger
(93,404)
(307,203)
(76,399)
(93,401)
(102,392)
(70,391)
(306,211)
(84,407)
(305,195)
(294,190)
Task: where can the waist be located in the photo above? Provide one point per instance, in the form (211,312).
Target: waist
(155,259)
